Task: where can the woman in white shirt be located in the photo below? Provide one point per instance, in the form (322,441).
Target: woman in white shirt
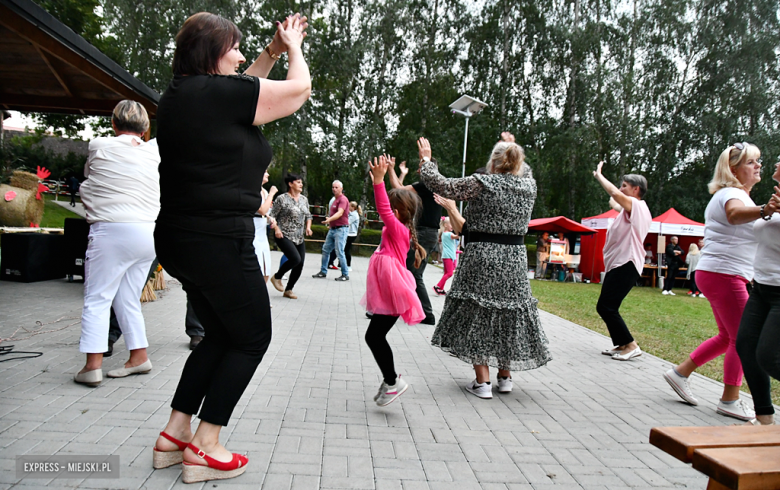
(724,271)
(122,198)
(759,331)
(355,212)
(692,260)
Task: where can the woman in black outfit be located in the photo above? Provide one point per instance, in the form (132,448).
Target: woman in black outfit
(213,158)
(293,219)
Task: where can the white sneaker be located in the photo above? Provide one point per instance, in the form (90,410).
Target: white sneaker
(483,390)
(387,394)
(505,384)
(702,296)
(739,410)
(665,292)
(349,269)
(681,386)
(671,293)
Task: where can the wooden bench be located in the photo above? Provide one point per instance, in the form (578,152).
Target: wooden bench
(734,457)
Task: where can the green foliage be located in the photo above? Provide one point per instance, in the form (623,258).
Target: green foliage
(54,215)
(26,153)
(657,87)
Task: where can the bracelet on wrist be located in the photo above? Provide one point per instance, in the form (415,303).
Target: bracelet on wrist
(270,52)
(761,212)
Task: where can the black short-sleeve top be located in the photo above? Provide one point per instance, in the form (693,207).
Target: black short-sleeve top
(212,158)
(431,210)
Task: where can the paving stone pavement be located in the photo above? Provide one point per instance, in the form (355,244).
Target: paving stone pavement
(307,420)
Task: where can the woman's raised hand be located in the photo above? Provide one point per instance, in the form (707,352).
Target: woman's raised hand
(597,172)
(508,137)
(424,148)
(290,33)
(447,204)
(378,169)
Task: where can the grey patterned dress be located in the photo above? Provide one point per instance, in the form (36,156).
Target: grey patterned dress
(490,317)
(291,216)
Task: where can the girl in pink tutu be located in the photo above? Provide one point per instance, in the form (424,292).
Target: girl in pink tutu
(390,287)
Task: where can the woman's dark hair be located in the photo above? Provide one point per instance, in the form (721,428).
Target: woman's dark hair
(290,179)
(409,206)
(201,42)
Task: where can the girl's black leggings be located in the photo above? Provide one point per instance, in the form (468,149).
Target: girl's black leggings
(296,255)
(376,338)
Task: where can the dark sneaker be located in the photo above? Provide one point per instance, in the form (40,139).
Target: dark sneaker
(110,351)
(429,320)
(319,275)
(342,278)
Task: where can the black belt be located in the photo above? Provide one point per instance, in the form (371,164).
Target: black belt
(476,236)
(334,227)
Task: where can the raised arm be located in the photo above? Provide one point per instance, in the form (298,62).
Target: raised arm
(395,182)
(265,62)
(621,199)
(461,189)
(456,219)
(280,98)
(268,201)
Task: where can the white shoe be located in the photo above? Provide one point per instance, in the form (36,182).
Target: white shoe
(681,385)
(349,269)
(610,352)
(627,356)
(739,410)
(505,384)
(665,292)
(387,394)
(702,296)
(671,293)
(483,390)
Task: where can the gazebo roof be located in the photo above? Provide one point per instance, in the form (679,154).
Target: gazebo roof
(46,67)
(558,224)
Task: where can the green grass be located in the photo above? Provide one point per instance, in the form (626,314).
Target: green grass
(54,215)
(669,327)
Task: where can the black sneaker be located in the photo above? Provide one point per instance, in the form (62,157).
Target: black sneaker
(342,278)
(429,320)
(195,340)
(319,275)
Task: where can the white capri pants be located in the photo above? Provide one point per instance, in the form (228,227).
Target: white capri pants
(117,264)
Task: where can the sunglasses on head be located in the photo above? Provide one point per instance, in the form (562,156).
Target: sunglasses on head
(740,146)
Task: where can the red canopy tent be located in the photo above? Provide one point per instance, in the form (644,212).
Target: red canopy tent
(558,224)
(592,246)
(673,223)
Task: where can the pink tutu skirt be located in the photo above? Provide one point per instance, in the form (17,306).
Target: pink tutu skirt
(391,290)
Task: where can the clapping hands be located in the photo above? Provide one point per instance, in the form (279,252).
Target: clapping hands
(290,33)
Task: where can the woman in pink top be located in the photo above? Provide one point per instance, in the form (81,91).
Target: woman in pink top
(624,258)
(390,287)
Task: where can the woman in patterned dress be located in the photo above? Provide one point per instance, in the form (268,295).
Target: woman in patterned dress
(490,317)
(293,219)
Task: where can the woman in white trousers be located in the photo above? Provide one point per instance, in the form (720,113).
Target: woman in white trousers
(122,198)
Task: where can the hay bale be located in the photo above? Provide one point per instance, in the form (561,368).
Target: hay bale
(24,180)
(23,209)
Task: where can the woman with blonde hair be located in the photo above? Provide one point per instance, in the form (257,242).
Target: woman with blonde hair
(724,271)
(490,317)
(122,199)
(692,260)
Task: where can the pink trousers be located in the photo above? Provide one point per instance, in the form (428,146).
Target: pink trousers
(449,269)
(727,295)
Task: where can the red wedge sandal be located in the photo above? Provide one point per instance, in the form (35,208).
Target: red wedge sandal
(213,469)
(164,459)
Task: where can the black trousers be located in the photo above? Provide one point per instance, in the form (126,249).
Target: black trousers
(617,284)
(296,255)
(376,338)
(427,238)
(694,287)
(671,273)
(224,283)
(758,344)
(348,249)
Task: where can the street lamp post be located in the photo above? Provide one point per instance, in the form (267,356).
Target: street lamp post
(466,106)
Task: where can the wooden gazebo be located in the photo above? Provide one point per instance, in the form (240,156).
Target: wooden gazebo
(46,67)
